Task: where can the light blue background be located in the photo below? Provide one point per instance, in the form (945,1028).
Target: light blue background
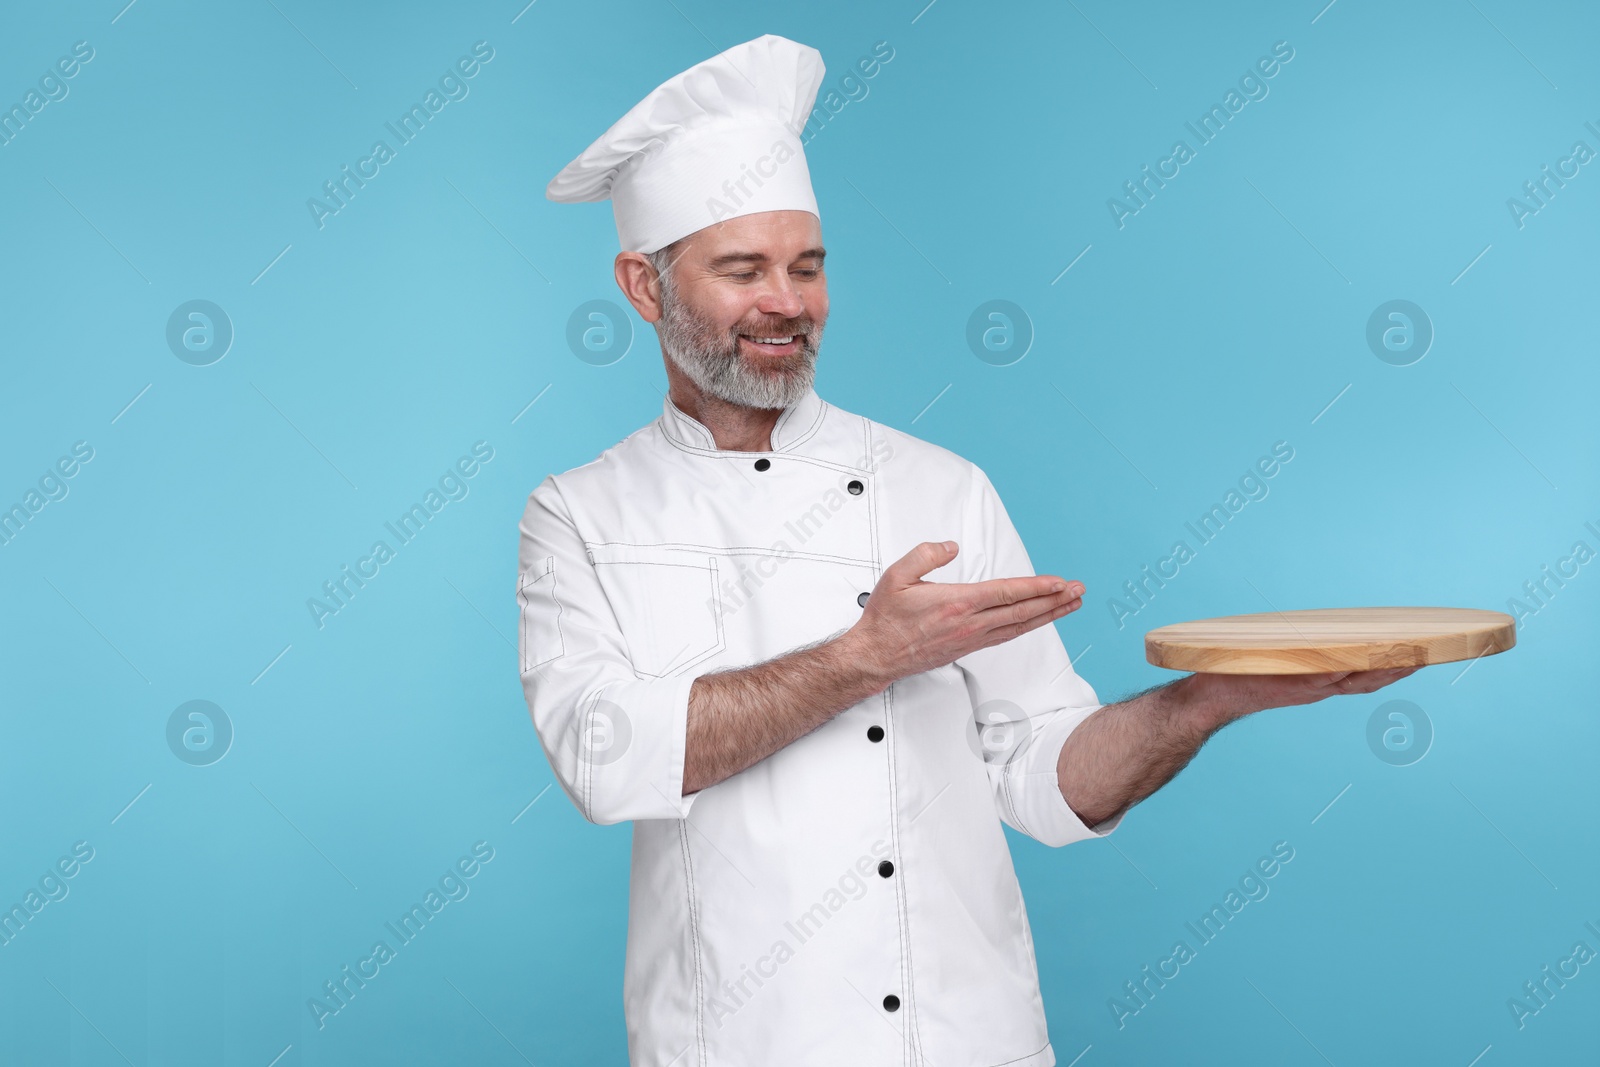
(1225,316)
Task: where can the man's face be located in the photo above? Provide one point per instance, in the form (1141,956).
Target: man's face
(743,307)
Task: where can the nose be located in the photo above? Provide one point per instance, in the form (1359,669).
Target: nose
(781,298)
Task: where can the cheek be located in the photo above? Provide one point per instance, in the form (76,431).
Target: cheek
(817,305)
(721,312)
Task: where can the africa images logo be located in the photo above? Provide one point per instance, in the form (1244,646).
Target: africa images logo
(453,87)
(453,485)
(1211,123)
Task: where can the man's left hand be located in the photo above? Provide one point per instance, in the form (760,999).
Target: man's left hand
(1225,697)
(1125,751)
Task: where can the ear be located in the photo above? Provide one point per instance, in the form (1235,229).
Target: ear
(639,283)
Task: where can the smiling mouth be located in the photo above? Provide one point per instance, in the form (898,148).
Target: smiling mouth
(782,345)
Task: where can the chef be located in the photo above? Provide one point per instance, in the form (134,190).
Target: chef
(805,653)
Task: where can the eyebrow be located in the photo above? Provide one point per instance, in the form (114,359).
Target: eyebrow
(730,258)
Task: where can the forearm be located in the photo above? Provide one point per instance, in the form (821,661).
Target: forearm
(739,717)
(1125,751)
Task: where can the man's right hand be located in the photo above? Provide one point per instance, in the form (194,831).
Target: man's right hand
(738,716)
(910,626)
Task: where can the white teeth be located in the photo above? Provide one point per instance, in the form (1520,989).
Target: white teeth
(772,340)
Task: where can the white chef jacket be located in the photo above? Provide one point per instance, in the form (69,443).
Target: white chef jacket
(850,899)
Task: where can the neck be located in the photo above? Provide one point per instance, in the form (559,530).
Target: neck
(735,427)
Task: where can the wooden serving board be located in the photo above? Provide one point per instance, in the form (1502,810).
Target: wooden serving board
(1330,639)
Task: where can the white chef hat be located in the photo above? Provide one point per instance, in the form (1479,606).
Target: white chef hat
(718,141)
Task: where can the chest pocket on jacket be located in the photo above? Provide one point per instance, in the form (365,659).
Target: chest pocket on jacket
(668,602)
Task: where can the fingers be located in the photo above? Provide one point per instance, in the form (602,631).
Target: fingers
(1381,675)
(927,556)
(999,592)
(1351,682)
(1023,615)
(1377,679)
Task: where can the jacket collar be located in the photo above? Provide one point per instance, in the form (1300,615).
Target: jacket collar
(797,423)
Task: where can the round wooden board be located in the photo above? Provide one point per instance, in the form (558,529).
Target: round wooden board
(1330,639)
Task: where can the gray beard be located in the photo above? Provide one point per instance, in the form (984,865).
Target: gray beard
(712,360)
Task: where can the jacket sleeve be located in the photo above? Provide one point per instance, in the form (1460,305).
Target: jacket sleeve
(1026,697)
(614,739)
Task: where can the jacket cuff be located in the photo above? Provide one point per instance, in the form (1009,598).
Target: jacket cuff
(1049,817)
(677,725)
(644,778)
